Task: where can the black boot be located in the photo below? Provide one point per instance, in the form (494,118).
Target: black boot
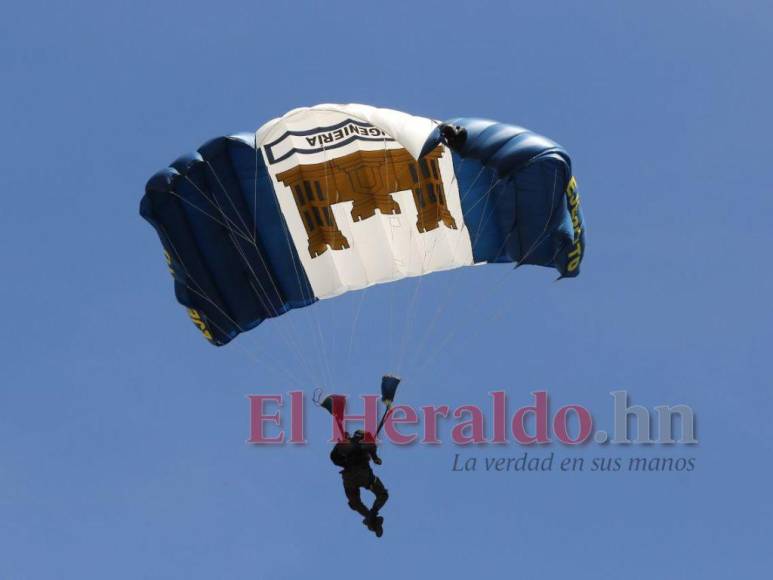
(375,524)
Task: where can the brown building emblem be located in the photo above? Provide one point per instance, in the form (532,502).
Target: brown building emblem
(368,179)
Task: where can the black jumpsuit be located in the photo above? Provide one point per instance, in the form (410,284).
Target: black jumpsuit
(354,457)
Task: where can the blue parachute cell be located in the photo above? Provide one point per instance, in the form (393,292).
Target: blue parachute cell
(524,181)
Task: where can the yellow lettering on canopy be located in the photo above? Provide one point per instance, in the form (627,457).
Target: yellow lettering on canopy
(573,199)
(200,324)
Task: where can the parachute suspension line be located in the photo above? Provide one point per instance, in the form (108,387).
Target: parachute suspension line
(387,161)
(316,331)
(209,215)
(299,352)
(229,223)
(454,282)
(364,291)
(255,356)
(484,197)
(426,259)
(332,325)
(540,238)
(283,368)
(320,331)
(351,334)
(367,287)
(478,327)
(391,355)
(442,307)
(262,295)
(443,304)
(533,246)
(485,215)
(230,201)
(303,286)
(464,225)
(454,330)
(288,334)
(461,164)
(332,336)
(316,335)
(200,292)
(408,323)
(469,187)
(435,317)
(414,297)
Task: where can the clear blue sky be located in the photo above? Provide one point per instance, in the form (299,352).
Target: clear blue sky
(122,432)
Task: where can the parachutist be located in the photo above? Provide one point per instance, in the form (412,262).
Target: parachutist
(354,454)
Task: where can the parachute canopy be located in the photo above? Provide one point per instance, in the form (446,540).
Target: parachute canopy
(334,198)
